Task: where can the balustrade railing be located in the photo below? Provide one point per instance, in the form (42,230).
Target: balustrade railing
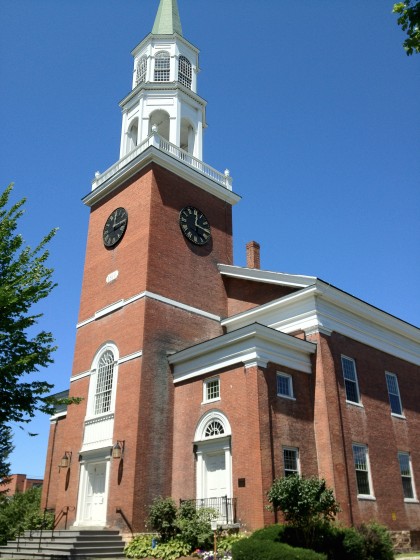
(154,139)
(224,506)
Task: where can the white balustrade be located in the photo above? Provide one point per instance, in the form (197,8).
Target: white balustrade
(160,143)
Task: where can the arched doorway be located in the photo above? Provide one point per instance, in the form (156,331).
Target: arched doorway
(214,464)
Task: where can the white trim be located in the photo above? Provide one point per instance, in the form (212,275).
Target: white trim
(155,155)
(57,416)
(205,389)
(258,275)
(289,378)
(146,294)
(122,360)
(100,456)
(253,343)
(323,308)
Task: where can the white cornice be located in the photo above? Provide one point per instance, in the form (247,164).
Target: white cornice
(146,294)
(258,275)
(253,344)
(154,155)
(324,308)
(151,38)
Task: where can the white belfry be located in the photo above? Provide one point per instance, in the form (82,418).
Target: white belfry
(164,88)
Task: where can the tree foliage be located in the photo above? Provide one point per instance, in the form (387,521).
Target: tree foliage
(303,501)
(22,512)
(409,20)
(6,448)
(24,281)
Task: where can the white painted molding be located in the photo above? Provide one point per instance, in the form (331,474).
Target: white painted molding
(121,360)
(326,309)
(154,155)
(258,275)
(253,344)
(146,294)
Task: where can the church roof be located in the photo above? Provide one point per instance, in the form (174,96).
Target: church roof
(167,20)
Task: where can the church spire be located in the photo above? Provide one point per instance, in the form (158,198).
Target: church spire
(167,20)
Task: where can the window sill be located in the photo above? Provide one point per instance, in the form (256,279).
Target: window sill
(286,397)
(400,416)
(366,497)
(358,404)
(211,401)
(411,501)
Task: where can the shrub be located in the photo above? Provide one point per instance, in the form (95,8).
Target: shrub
(256,549)
(162,518)
(225,543)
(270,533)
(194,525)
(22,512)
(377,542)
(139,547)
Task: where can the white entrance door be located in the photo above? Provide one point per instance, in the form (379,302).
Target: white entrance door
(216,475)
(94,511)
(216,485)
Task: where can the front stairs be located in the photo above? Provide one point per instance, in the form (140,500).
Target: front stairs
(57,545)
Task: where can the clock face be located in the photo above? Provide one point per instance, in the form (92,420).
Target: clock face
(115,227)
(194,225)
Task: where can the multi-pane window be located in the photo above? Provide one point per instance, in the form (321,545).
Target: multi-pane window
(284,385)
(103,393)
(290,460)
(406,475)
(393,393)
(141,70)
(212,389)
(214,428)
(162,66)
(361,465)
(350,379)
(184,72)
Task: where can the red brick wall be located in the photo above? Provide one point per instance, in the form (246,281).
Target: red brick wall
(153,255)
(245,294)
(374,426)
(261,423)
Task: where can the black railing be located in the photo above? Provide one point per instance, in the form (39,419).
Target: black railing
(224,506)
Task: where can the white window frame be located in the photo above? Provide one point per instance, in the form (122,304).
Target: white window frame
(94,381)
(289,379)
(355,380)
(410,476)
(141,70)
(206,384)
(367,469)
(294,450)
(162,73)
(184,71)
(397,394)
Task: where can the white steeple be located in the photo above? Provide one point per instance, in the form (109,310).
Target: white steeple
(164,88)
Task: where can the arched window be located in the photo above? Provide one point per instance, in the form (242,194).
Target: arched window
(214,428)
(141,70)
(132,136)
(162,66)
(104,380)
(184,72)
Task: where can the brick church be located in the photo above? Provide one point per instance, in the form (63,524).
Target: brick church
(204,380)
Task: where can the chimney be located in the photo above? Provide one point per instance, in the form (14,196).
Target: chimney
(253,254)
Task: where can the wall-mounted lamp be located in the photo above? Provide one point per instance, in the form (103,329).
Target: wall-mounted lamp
(65,460)
(118,449)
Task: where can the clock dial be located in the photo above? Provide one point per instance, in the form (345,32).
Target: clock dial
(115,227)
(194,225)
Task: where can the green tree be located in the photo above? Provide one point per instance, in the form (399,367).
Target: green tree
(21,512)
(24,281)
(409,20)
(6,448)
(306,503)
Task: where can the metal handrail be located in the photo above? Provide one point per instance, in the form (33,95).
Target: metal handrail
(224,506)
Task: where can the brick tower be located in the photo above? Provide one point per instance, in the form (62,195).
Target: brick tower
(160,222)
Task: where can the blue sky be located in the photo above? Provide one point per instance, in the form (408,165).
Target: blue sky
(312,105)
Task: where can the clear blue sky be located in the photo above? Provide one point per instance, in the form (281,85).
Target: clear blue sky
(312,105)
